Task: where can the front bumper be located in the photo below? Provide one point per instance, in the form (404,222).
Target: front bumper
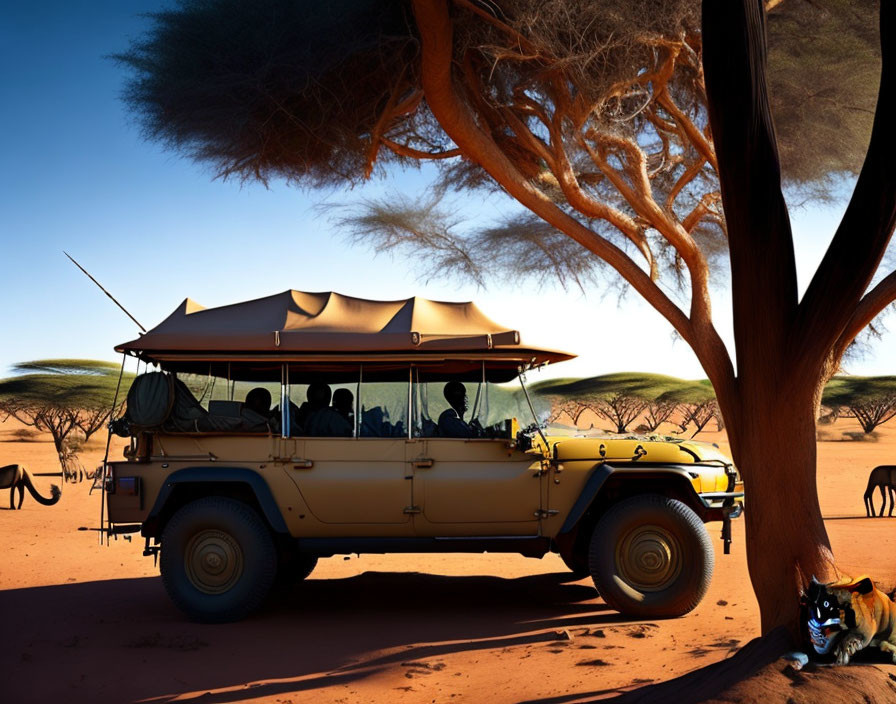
(723,499)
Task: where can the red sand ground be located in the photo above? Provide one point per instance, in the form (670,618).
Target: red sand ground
(85,623)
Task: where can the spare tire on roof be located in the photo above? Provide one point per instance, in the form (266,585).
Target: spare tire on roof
(150,399)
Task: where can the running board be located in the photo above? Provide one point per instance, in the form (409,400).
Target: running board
(528,546)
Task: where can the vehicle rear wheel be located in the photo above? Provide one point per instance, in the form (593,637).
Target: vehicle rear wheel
(651,557)
(218,560)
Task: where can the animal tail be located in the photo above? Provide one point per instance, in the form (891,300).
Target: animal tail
(55,491)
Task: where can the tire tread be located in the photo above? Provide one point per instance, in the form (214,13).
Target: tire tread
(697,577)
(259,555)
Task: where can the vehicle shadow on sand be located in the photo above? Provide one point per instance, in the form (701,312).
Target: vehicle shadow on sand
(321,633)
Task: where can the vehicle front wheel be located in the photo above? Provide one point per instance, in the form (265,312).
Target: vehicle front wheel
(218,560)
(651,557)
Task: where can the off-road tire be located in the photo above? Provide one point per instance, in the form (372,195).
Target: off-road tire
(218,560)
(651,557)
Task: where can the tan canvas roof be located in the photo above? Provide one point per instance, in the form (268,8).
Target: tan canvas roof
(296,323)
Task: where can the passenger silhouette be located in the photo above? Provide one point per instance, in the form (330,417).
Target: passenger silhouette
(256,411)
(259,400)
(451,421)
(344,405)
(323,421)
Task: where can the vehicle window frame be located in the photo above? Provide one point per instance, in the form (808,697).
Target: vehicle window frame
(285,401)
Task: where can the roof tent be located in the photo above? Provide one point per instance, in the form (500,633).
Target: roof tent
(331,332)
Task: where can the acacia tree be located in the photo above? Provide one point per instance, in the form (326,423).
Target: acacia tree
(658,411)
(696,402)
(620,398)
(65,398)
(606,144)
(620,409)
(870,400)
(698,414)
(572,408)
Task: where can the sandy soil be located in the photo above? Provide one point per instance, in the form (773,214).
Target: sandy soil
(81,622)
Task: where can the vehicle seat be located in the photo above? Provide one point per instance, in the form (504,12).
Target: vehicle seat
(225,409)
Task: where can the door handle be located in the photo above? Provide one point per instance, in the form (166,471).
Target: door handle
(422,464)
(301,464)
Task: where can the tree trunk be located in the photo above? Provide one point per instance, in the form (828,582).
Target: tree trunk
(787,543)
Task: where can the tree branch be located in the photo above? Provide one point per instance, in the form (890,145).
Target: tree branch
(872,304)
(405,150)
(579,200)
(689,175)
(693,133)
(834,294)
(763,264)
(381,125)
(701,210)
(454,116)
(641,200)
(435,29)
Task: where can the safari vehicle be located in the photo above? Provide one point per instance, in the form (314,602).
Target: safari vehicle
(230,499)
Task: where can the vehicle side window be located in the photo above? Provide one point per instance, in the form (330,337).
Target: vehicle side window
(384,409)
(319,409)
(465,409)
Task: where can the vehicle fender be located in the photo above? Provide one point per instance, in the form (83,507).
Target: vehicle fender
(598,478)
(221,475)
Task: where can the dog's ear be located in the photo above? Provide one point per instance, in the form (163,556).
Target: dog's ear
(814,589)
(864,586)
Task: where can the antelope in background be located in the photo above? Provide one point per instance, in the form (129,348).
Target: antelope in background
(885,478)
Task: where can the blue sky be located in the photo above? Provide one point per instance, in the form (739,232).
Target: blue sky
(155,228)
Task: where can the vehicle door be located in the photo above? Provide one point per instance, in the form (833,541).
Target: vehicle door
(354,485)
(474,487)
(354,481)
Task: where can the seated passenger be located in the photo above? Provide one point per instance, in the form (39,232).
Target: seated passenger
(295,427)
(344,405)
(451,422)
(256,411)
(301,414)
(323,421)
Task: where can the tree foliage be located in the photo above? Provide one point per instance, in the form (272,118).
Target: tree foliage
(275,88)
(823,74)
(600,106)
(63,397)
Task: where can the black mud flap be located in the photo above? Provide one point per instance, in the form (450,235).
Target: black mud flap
(727,512)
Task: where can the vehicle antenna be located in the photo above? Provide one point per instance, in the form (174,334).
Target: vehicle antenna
(142,329)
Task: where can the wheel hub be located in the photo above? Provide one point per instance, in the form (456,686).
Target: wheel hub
(213,561)
(649,558)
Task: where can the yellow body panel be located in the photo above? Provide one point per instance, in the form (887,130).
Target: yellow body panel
(426,487)
(355,482)
(475,487)
(635,450)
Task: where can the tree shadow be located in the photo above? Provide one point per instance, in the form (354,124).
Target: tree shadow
(713,681)
(320,634)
